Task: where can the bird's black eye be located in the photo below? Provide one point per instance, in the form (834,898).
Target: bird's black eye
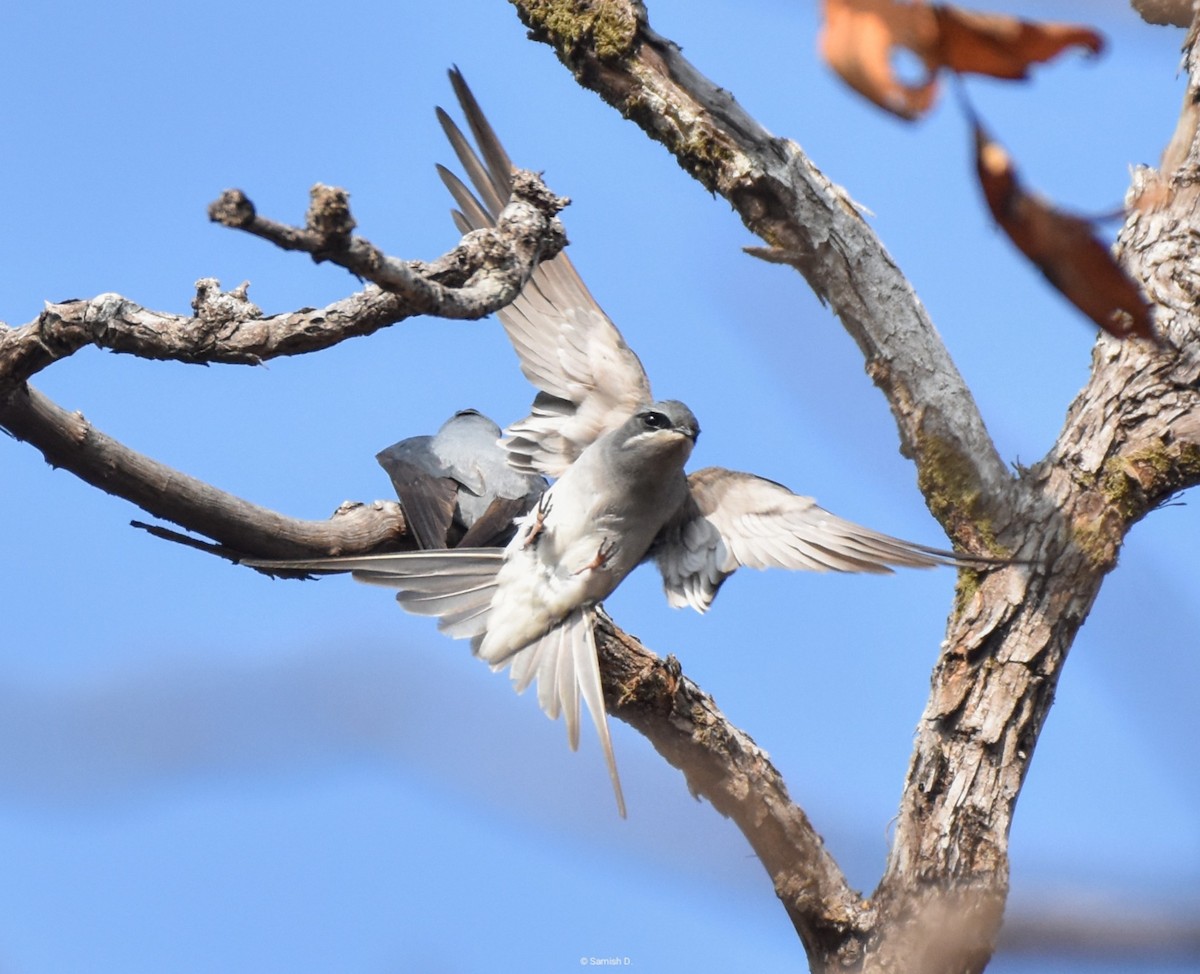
(655,421)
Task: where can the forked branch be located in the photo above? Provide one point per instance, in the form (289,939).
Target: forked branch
(1127,444)
(484,272)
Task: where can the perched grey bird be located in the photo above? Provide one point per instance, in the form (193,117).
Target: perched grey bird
(456,486)
(621,495)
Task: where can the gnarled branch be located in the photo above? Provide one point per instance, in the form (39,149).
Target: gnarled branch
(68,440)
(722,763)
(483,273)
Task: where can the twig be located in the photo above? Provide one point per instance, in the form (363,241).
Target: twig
(483,273)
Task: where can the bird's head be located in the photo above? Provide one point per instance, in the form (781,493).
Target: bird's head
(661,432)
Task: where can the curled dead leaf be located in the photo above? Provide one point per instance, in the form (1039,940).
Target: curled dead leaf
(1004,47)
(1063,247)
(858,37)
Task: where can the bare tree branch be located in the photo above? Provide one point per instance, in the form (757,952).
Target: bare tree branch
(166,534)
(483,273)
(1130,442)
(68,440)
(722,763)
(525,233)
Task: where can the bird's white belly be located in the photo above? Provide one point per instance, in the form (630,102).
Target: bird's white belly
(533,596)
(572,558)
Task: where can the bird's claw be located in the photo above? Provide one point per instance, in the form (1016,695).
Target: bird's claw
(539,522)
(603,554)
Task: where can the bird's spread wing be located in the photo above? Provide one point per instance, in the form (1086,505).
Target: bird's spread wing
(457,487)
(497,524)
(735,519)
(455,585)
(589,380)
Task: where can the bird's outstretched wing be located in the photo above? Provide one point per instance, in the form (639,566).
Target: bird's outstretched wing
(735,519)
(588,380)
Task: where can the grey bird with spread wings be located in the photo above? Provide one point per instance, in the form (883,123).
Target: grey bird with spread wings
(621,496)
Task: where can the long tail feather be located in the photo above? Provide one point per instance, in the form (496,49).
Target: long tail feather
(549,667)
(564,664)
(587,680)
(468,623)
(568,694)
(405,564)
(473,594)
(458,586)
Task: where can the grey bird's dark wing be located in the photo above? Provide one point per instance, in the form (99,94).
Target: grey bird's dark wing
(426,490)
(589,380)
(457,487)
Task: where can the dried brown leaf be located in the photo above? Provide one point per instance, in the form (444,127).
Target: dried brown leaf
(1001,46)
(1063,247)
(858,37)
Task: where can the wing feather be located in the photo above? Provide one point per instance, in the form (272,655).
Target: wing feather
(735,519)
(567,346)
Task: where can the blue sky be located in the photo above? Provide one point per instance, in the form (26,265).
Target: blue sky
(201,769)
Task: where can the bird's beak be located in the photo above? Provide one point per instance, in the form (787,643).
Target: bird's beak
(691,432)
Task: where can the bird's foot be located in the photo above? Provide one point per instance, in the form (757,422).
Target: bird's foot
(539,522)
(604,553)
